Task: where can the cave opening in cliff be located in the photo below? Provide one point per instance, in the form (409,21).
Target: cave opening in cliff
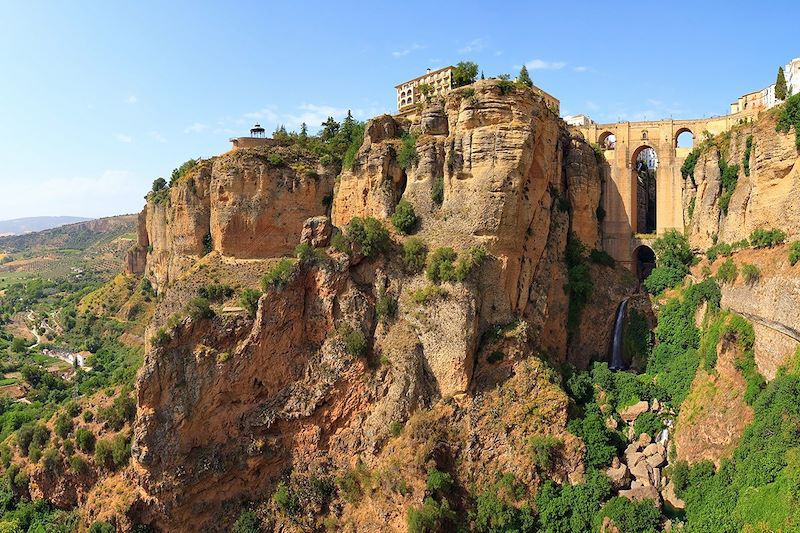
(645,261)
(645,167)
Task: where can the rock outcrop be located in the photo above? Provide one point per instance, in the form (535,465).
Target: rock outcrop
(352,345)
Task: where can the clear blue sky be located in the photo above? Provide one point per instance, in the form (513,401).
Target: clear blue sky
(99,98)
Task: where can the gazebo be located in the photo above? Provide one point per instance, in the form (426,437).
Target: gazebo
(257,131)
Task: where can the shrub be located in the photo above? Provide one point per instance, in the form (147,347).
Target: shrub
(208,244)
(674,257)
(407,157)
(750,273)
(630,516)
(579,281)
(727,272)
(51,460)
(730,176)
(439,482)
(216,292)
(63,425)
(199,309)
(354,341)
(790,116)
(432,516)
(34,452)
(572,508)
(279,275)
(497,511)
(440,265)
(404,219)
(78,464)
(414,255)
(369,234)
(385,307)
(467,262)
(114,453)
(679,473)
(545,449)
(767,238)
(249,300)
(101,527)
(437,190)
(649,423)
(304,252)
(88,416)
(395,428)
(246,523)
(159,184)
(427,294)
(85,440)
(275,159)
(794,253)
(122,410)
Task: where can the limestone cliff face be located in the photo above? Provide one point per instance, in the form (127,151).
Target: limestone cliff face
(244,204)
(228,405)
(768,198)
(513,181)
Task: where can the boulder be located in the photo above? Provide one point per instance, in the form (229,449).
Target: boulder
(633,458)
(671,498)
(629,414)
(317,231)
(651,449)
(620,476)
(644,440)
(656,405)
(642,493)
(656,460)
(642,472)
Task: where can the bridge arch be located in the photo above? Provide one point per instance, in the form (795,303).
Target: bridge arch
(643,261)
(644,173)
(607,140)
(684,138)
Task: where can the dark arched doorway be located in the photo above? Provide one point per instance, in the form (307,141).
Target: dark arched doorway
(645,260)
(644,167)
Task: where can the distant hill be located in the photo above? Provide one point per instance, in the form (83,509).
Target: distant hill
(76,236)
(19,226)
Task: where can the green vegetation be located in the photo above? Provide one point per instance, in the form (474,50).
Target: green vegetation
(767,238)
(407,156)
(199,308)
(216,292)
(427,294)
(794,253)
(113,454)
(748,150)
(404,219)
(355,343)
(249,300)
(631,516)
(572,508)
(464,73)
(730,177)
(727,271)
(369,234)
(579,285)
(501,508)
(545,450)
(781,88)
(385,306)
(690,208)
(750,273)
(674,258)
(725,250)
(524,78)
(432,516)
(441,264)
(414,255)
(790,116)
(278,276)
(437,190)
(182,170)
(601,257)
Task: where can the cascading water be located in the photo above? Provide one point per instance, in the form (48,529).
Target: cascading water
(617,362)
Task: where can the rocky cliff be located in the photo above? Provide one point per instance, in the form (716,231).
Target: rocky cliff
(348,348)
(766,198)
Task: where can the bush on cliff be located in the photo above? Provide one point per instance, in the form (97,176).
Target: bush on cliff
(249,300)
(794,253)
(464,73)
(727,271)
(790,116)
(199,308)
(369,235)
(414,254)
(407,156)
(440,265)
(404,218)
(278,276)
(501,508)
(767,238)
(579,285)
(673,259)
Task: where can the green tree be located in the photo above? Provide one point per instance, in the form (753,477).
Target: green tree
(404,218)
(524,78)
(780,85)
(329,129)
(249,300)
(159,184)
(464,73)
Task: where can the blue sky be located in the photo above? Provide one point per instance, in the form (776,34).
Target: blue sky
(99,98)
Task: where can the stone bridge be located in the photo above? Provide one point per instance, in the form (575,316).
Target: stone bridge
(622,142)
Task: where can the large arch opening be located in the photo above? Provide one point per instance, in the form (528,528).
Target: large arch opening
(644,166)
(607,141)
(684,138)
(644,258)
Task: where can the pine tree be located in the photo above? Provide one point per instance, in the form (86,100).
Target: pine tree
(524,78)
(482,76)
(303,130)
(780,85)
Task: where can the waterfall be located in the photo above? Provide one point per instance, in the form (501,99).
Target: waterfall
(616,344)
